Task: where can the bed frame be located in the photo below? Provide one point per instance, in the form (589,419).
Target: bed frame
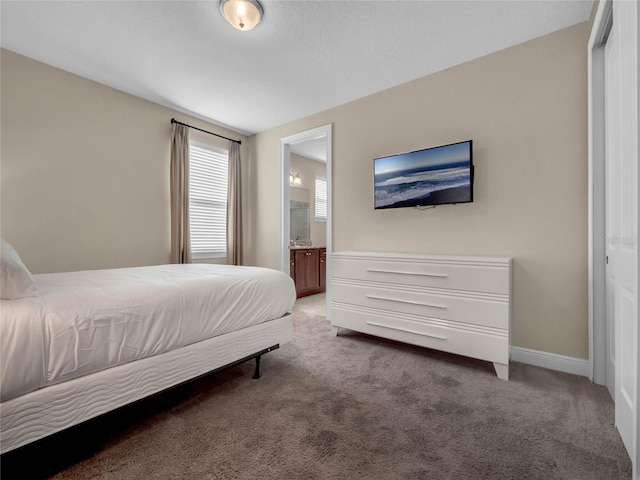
(43,412)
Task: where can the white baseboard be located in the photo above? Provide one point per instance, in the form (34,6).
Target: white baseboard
(576,366)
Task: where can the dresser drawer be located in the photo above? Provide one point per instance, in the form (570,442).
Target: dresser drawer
(482,343)
(489,277)
(476,309)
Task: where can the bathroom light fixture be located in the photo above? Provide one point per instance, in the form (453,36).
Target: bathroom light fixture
(295,180)
(242,14)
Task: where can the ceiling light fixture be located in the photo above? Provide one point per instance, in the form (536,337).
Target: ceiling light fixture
(242,14)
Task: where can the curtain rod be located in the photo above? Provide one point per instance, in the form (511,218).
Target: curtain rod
(173,120)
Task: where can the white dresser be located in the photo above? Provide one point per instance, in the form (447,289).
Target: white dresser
(457,304)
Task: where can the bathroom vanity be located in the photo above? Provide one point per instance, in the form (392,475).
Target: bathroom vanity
(308,269)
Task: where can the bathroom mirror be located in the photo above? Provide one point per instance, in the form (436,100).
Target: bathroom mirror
(299,221)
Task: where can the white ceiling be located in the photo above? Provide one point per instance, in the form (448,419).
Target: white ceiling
(313,149)
(306,56)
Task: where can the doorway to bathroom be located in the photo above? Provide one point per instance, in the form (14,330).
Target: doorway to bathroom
(305,210)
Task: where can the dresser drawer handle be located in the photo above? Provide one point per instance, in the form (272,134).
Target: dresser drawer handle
(439,337)
(407,301)
(439,275)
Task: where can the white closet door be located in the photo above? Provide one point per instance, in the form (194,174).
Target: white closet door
(622,214)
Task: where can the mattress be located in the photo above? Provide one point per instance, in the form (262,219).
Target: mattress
(84,322)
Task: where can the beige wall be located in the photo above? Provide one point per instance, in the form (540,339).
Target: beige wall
(308,170)
(85,170)
(526,110)
(84,173)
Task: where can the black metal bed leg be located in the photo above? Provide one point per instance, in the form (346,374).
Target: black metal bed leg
(256,374)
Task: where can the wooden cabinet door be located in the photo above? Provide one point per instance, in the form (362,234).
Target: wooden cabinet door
(323,269)
(301,270)
(313,269)
(308,270)
(292,265)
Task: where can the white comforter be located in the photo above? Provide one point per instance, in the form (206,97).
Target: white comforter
(83,322)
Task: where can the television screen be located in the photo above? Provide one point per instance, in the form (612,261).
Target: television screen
(433,176)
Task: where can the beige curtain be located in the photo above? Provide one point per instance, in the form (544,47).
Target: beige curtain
(234,207)
(180,241)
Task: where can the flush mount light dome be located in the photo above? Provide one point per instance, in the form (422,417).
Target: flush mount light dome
(242,14)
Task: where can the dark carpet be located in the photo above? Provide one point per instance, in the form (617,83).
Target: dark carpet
(347,407)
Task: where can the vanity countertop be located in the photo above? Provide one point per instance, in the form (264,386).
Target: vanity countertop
(301,247)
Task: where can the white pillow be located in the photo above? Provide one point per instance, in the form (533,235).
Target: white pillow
(15,279)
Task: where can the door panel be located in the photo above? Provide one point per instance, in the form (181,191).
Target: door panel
(610,333)
(313,269)
(323,268)
(301,271)
(621,137)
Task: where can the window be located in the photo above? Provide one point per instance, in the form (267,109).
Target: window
(208,183)
(321,199)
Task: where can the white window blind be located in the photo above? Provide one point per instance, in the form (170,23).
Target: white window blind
(321,200)
(208,183)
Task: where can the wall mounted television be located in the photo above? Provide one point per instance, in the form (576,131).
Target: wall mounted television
(432,176)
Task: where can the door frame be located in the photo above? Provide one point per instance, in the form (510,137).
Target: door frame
(596,208)
(323,131)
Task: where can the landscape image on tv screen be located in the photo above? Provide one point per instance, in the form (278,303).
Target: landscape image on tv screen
(432,176)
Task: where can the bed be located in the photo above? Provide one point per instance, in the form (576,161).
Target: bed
(76,345)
